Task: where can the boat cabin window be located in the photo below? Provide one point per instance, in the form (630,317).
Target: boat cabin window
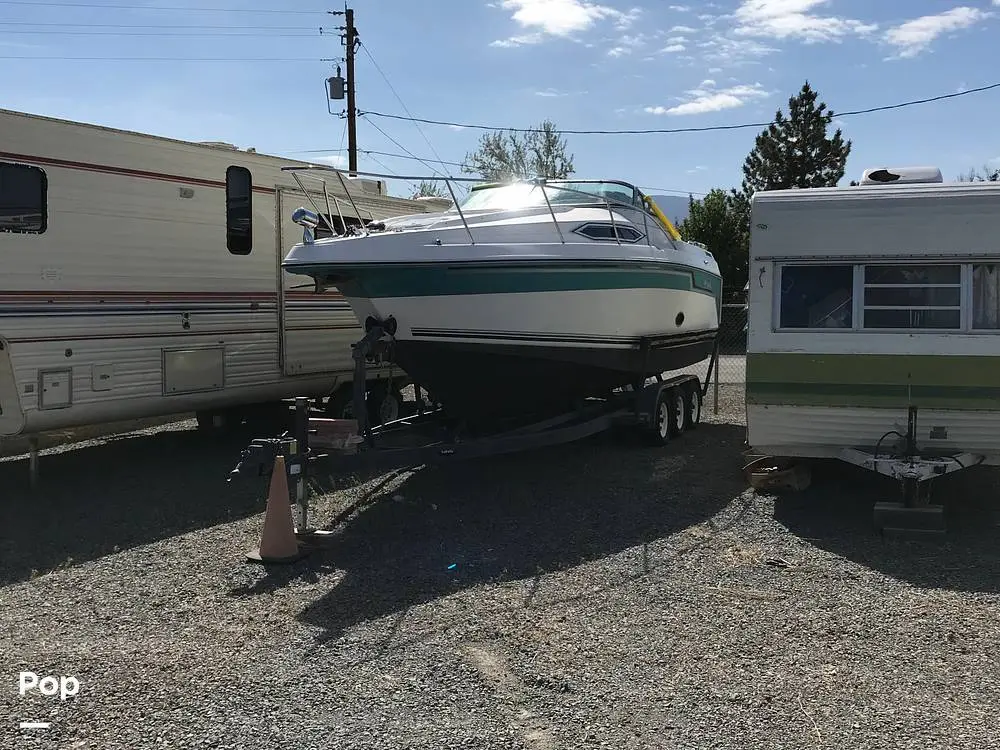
(239,211)
(23,199)
(917,296)
(816,296)
(525,195)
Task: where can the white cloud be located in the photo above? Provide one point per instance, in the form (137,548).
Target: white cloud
(785,19)
(686,8)
(456,127)
(691,30)
(706,82)
(724,50)
(913,37)
(334,160)
(670,48)
(707,98)
(560,18)
(517,41)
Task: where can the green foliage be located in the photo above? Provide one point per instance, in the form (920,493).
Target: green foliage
(720,222)
(795,151)
(503,156)
(430,190)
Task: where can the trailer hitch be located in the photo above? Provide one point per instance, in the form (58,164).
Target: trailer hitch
(257,459)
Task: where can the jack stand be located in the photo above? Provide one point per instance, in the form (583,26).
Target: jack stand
(913,516)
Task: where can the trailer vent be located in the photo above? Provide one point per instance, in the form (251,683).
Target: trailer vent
(901,176)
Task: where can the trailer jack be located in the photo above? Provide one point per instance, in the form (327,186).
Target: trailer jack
(913,514)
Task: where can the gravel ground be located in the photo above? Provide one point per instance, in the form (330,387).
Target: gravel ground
(600,594)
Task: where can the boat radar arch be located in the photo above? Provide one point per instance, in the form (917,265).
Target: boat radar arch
(901,176)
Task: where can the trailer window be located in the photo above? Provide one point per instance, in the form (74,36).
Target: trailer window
(986,296)
(917,296)
(239,216)
(23,198)
(816,296)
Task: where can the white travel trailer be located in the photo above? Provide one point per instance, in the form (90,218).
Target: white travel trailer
(874,325)
(141,277)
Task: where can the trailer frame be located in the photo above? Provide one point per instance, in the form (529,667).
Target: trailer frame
(662,409)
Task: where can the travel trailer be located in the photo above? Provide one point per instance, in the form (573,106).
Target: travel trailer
(874,333)
(141,277)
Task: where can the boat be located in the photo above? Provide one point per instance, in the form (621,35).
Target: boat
(525,296)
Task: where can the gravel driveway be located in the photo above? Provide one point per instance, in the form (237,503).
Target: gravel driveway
(600,594)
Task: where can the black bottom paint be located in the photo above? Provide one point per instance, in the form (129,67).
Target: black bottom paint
(487,381)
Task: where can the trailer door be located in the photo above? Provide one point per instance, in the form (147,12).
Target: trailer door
(317,328)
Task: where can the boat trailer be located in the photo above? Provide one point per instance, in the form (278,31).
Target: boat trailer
(662,409)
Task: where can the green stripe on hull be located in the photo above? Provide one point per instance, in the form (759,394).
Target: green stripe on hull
(437,280)
(874,380)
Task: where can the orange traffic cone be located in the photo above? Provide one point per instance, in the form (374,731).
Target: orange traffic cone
(277,539)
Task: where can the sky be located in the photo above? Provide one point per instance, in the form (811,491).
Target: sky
(586,65)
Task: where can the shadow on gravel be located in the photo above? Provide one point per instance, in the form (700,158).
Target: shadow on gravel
(127,491)
(835,514)
(513,517)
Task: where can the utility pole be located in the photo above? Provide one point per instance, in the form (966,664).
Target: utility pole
(351,41)
(336,85)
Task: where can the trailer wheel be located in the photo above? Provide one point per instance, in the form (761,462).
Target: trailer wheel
(384,404)
(341,404)
(678,411)
(693,406)
(660,432)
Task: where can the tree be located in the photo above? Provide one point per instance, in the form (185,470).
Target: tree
(513,155)
(719,221)
(989,174)
(430,190)
(795,151)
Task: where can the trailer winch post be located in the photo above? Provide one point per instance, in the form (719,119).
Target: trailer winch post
(297,465)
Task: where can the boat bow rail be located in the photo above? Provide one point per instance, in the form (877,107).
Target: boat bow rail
(314,171)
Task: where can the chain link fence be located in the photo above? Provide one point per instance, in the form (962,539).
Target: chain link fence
(727,388)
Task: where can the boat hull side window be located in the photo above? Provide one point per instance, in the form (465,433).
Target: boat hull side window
(239,211)
(816,296)
(23,199)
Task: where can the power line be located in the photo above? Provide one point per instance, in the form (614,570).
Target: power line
(411,157)
(160,7)
(403,148)
(206,35)
(413,186)
(702,129)
(379,153)
(160,59)
(156,26)
(400,100)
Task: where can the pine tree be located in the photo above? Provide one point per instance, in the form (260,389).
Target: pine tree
(795,151)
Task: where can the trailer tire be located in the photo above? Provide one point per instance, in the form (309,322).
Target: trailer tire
(693,404)
(341,404)
(385,404)
(679,421)
(659,431)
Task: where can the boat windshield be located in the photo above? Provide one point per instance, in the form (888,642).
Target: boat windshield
(526,195)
